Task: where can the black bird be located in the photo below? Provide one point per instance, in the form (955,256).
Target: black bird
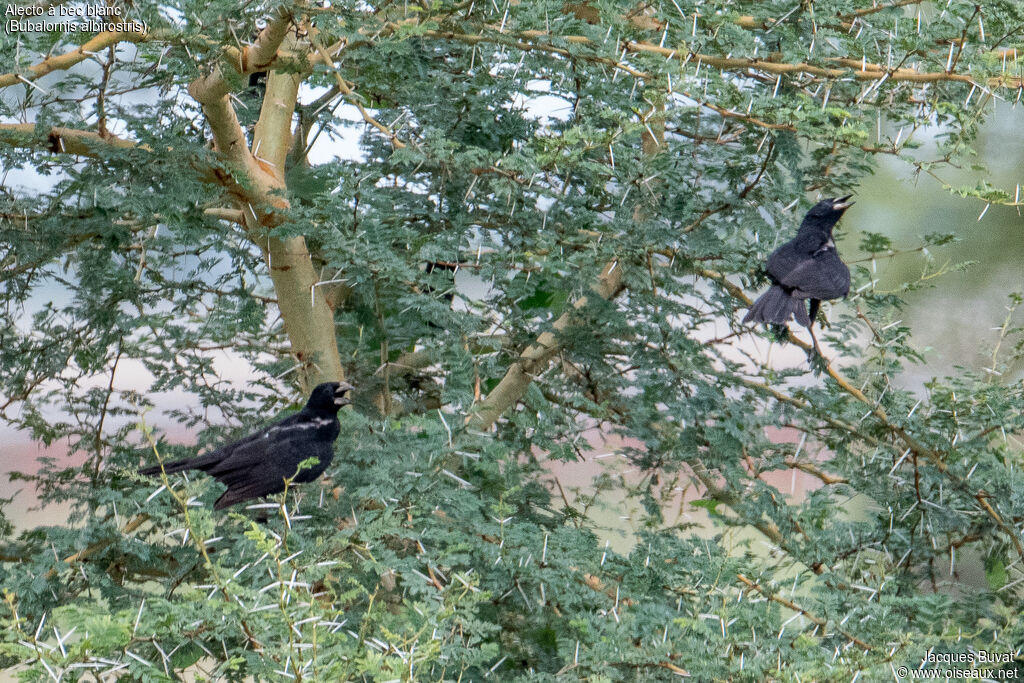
(806,267)
(257,465)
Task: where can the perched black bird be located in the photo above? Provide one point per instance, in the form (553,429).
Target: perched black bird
(258,464)
(806,267)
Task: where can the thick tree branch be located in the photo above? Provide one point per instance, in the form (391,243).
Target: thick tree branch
(211,91)
(229,140)
(535,358)
(226,214)
(99,42)
(255,57)
(257,187)
(62,140)
(308,320)
(272,134)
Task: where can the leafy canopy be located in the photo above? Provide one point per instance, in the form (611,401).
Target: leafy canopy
(604,180)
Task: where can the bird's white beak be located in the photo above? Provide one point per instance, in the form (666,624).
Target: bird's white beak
(340,399)
(842,203)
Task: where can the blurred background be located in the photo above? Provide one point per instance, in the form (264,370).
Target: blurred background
(952,319)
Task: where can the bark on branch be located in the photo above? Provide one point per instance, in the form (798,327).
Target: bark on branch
(535,358)
(99,42)
(59,139)
(862,71)
(255,57)
(789,604)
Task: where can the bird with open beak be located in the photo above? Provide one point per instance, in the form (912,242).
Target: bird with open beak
(805,268)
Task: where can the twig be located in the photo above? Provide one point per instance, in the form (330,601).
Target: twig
(350,96)
(823,623)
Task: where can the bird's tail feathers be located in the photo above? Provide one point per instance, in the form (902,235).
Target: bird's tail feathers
(239,494)
(200,463)
(776,306)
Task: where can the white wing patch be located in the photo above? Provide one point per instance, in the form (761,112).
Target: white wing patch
(831,244)
(313,424)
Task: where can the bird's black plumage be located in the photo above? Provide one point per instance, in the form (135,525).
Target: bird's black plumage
(805,268)
(258,464)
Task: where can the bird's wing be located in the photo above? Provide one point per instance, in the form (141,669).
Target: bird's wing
(820,276)
(796,252)
(258,464)
(255,482)
(238,452)
(212,460)
(783,260)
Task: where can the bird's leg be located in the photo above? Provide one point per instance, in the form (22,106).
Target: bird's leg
(815,358)
(815,349)
(815,352)
(262,515)
(815,305)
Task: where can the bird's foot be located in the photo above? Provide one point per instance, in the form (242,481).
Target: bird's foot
(815,358)
(818,362)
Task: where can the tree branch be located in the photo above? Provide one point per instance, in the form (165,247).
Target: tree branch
(226,214)
(350,96)
(915,446)
(59,139)
(308,320)
(530,40)
(97,43)
(789,604)
(535,358)
(271,137)
(255,57)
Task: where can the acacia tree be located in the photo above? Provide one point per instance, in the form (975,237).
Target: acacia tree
(613,176)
